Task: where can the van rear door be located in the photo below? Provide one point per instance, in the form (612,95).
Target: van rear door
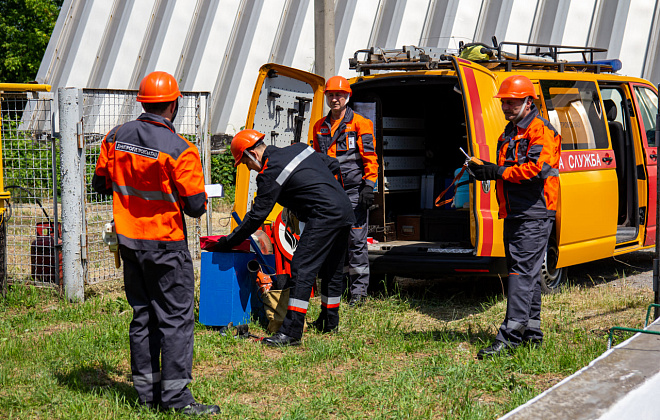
(484,122)
(286,103)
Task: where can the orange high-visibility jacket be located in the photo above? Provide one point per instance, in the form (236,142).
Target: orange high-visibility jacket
(353,145)
(528,177)
(154,175)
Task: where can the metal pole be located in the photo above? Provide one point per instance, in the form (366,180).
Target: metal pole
(656,261)
(70,106)
(324,38)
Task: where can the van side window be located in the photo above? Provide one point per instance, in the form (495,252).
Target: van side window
(574,109)
(647,101)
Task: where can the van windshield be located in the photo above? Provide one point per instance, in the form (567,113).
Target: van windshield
(574,110)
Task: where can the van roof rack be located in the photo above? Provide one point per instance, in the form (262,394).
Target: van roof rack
(536,56)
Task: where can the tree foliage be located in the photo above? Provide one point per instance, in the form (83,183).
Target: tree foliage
(223,172)
(25,29)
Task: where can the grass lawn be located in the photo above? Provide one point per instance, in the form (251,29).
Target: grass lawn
(410,355)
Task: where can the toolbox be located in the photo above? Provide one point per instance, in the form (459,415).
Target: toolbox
(226,293)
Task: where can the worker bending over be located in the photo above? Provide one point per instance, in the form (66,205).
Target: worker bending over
(304,182)
(155,176)
(349,137)
(527,183)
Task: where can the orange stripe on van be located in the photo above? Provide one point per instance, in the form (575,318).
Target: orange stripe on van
(480,136)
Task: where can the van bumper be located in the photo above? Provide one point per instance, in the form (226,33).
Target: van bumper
(429,266)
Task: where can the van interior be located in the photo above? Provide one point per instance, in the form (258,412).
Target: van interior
(419,129)
(618,121)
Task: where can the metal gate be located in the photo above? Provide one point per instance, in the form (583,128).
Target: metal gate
(30,168)
(102,110)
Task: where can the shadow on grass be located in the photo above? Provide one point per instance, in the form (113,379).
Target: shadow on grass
(98,380)
(448,335)
(448,299)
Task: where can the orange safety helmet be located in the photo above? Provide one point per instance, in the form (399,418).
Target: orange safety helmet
(338,84)
(158,86)
(516,86)
(242,141)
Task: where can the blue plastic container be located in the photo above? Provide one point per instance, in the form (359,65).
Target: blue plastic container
(462,196)
(226,294)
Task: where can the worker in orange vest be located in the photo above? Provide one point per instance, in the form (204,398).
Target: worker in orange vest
(527,183)
(349,137)
(155,177)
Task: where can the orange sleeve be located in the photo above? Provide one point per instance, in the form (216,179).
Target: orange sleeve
(542,154)
(367,146)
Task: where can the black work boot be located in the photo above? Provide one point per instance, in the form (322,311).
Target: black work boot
(320,325)
(357,301)
(197,409)
(281,340)
(498,348)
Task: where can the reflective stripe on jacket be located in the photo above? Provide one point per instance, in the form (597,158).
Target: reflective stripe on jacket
(304,182)
(528,182)
(154,175)
(353,145)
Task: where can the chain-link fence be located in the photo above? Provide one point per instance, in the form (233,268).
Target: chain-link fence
(30,170)
(102,110)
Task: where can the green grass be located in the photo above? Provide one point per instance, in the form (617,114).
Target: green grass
(407,356)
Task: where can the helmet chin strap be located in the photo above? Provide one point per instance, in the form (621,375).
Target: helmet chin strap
(176,110)
(522,109)
(254,159)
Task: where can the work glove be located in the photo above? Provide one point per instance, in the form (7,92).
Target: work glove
(222,245)
(366,198)
(485,171)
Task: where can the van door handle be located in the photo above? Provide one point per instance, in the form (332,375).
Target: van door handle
(653,156)
(607,159)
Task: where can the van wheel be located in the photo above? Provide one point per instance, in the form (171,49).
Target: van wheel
(552,278)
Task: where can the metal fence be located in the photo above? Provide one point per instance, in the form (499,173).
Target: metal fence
(102,110)
(31,169)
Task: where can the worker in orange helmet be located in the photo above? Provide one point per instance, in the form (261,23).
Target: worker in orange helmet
(305,183)
(349,137)
(527,183)
(155,177)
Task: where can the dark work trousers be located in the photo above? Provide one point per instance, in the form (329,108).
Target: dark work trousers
(525,242)
(160,286)
(321,252)
(356,267)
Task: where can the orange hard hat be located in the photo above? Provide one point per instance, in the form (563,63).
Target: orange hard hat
(516,86)
(242,141)
(158,86)
(338,84)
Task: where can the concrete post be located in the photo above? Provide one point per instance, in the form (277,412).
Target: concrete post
(324,38)
(71,152)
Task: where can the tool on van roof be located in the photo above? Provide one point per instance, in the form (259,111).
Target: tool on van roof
(526,55)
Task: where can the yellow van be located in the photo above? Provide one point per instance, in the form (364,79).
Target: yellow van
(426,105)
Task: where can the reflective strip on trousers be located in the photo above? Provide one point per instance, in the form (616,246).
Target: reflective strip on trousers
(513,325)
(146,379)
(330,302)
(174,384)
(282,177)
(298,305)
(358,270)
(534,323)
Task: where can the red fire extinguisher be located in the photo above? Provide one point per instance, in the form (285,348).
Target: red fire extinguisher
(45,257)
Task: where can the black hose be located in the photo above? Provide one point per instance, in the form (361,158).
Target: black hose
(33,196)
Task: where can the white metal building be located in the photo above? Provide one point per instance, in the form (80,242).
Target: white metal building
(219,45)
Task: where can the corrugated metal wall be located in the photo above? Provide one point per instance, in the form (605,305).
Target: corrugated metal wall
(218,45)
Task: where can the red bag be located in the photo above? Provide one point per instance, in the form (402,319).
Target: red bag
(208,243)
